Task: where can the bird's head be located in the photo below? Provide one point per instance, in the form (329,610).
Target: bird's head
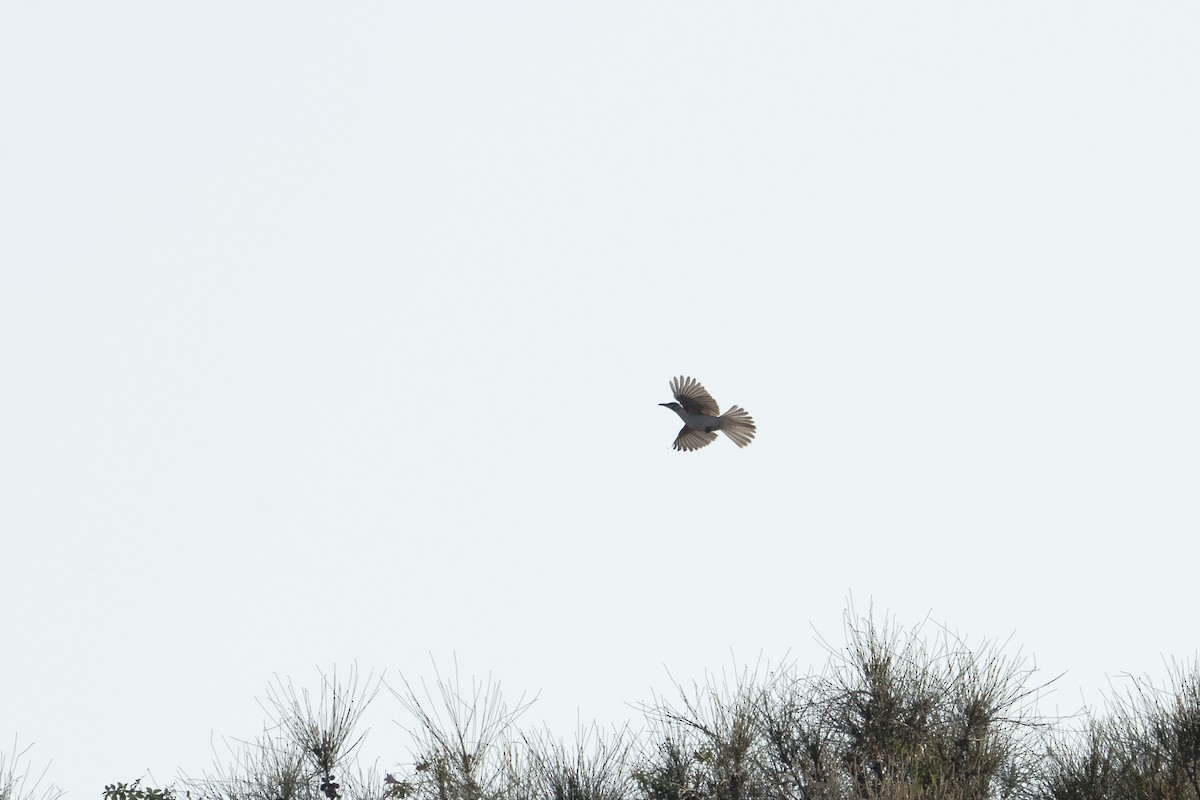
(672,406)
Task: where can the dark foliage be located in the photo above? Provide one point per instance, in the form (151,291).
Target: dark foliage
(1146,746)
(894,715)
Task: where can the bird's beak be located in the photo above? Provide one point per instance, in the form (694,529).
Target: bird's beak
(668,405)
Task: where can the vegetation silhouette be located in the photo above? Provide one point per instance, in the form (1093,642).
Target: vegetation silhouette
(894,715)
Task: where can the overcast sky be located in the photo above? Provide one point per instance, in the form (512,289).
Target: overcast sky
(335,333)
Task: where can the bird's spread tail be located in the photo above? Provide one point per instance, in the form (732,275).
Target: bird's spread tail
(738,425)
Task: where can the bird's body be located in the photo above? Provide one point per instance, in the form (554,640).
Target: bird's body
(702,418)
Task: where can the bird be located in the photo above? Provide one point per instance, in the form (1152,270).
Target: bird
(702,417)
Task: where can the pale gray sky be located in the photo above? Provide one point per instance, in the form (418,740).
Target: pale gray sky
(335,332)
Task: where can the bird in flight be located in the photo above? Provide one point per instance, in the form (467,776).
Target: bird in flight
(702,418)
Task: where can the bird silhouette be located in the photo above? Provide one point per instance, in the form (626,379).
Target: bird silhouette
(702,417)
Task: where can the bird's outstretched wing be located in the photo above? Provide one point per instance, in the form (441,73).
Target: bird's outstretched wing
(693,397)
(692,439)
